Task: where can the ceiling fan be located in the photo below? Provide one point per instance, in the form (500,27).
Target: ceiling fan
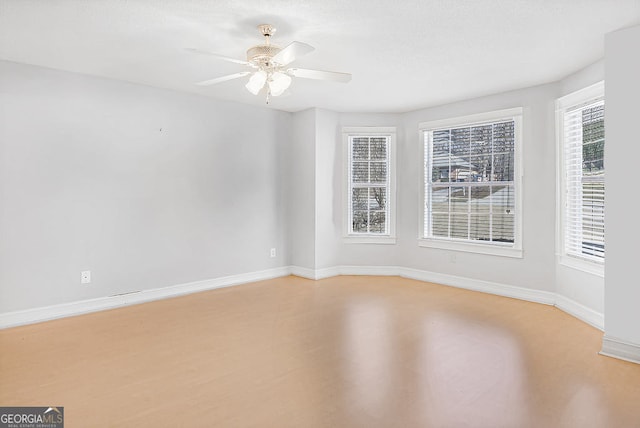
(270,66)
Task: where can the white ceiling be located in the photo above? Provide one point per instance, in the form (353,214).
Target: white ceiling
(403,55)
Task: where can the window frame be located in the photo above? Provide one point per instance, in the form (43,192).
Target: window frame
(389,132)
(573,100)
(497,249)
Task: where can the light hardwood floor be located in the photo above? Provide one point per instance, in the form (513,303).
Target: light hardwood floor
(341,352)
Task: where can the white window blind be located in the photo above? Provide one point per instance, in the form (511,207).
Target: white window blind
(584,180)
(369,170)
(470,187)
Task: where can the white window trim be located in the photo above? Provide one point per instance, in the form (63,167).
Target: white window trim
(576,98)
(366,131)
(495,249)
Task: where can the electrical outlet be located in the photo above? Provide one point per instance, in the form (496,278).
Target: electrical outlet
(85,277)
(452,257)
(273,252)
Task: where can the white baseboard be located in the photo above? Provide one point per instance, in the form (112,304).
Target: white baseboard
(616,348)
(30,316)
(308,273)
(538,296)
(583,313)
(344,270)
(370,270)
(327,272)
(573,308)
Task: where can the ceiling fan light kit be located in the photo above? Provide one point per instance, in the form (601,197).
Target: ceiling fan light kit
(256,82)
(270,64)
(278,83)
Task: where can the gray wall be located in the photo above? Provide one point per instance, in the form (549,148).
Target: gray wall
(328,225)
(579,286)
(301,190)
(149,188)
(349,253)
(622,293)
(535,269)
(144,187)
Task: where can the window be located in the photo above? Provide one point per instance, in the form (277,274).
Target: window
(471,183)
(371,199)
(581,139)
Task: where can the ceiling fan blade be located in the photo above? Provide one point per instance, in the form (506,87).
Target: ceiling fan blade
(223,58)
(223,78)
(320,75)
(291,52)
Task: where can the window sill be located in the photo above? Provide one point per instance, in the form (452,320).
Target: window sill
(470,247)
(593,268)
(369,239)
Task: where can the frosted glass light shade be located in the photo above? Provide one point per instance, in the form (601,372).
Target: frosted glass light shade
(256,82)
(279,83)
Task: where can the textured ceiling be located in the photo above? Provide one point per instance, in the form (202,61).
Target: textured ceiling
(403,55)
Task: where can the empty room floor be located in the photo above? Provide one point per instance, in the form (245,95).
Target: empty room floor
(341,352)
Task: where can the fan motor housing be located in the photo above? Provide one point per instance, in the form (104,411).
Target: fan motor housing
(262,54)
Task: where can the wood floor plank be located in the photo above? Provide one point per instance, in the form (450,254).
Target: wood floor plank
(345,351)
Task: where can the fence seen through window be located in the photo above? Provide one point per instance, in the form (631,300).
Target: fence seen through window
(469,183)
